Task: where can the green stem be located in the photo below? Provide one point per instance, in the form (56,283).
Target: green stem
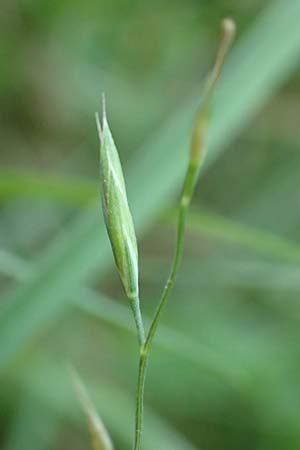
(196,158)
(139,413)
(188,189)
(135,306)
(187,193)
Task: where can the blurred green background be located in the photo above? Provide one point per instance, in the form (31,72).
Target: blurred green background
(225,369)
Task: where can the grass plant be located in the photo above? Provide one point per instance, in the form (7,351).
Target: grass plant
(223,371)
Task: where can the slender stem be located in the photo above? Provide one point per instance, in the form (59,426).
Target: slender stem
(135,306)
(188,189)
(196,158)
(139,413)
(189,184)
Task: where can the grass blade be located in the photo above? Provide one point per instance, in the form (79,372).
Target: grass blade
(25,184)
(99,306)
(99,434)
(50,383)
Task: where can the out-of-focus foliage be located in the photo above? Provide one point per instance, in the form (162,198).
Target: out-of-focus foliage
(225,369)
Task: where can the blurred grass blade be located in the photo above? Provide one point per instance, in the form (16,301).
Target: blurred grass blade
(34,427)
(207,223)
(50,383)
(15,184)
(99,434)
(14,266)
(258,241)
(101,307)
(257,66)
(279,187)
(265,57)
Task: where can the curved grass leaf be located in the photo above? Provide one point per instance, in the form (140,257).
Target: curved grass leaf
(50,383)
(99,306)
(99,434)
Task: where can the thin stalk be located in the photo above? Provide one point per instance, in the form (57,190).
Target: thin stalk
(139,412)
(135,306)
(188,189)
(189,184)
(198,145)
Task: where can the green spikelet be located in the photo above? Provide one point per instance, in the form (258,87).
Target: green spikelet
(116,211)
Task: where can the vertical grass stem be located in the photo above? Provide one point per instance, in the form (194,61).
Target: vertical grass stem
(197,154)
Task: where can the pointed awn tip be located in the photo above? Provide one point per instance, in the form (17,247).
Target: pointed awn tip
(98,123)
(97,117)
(103,106)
